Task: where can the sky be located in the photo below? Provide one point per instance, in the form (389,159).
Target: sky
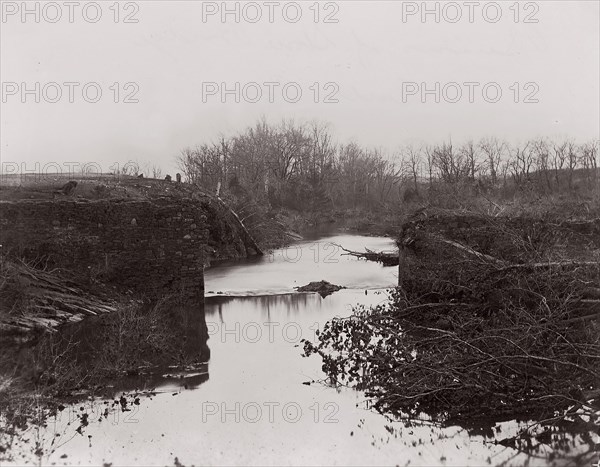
(381,73)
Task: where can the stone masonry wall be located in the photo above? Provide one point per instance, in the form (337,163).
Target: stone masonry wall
(154,247)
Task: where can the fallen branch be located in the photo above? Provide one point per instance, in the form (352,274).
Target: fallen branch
(386,258)
(549,264)
(469,250)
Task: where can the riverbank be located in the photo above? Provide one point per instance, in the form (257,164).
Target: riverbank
(495,318)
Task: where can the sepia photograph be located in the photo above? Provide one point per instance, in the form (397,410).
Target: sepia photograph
(300,233)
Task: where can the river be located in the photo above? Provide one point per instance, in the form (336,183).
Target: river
(257,401)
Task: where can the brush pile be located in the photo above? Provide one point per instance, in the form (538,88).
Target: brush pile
(34,299)
(495,317)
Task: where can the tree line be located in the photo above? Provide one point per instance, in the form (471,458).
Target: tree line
(301,166)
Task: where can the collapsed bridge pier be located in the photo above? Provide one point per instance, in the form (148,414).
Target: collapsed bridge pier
(155,247)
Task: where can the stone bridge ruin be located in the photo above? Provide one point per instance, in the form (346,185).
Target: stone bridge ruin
(154,246)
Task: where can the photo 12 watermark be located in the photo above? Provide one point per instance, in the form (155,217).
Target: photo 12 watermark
(69,12)
(470,12)
(70,92)
(470,92)
(271,92)
(319,252)
(37,171)
(269,332)
(269,412)
(270,12)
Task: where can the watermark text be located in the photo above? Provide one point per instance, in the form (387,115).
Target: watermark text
(69,12)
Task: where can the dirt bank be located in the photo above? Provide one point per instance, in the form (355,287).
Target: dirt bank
(495,317)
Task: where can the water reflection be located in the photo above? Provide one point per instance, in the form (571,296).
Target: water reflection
(264,305)
(188,326)
(154,345)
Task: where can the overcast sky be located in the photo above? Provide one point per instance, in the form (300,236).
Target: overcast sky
(369,56)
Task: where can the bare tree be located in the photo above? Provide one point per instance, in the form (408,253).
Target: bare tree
(572,160)
(493,150)
(451,165)
(558,161)
(430,158)
(351,157)
(413,163)
(202,165)
(468,152)
(541,160)
(521,164)
(589,160)
(386,175)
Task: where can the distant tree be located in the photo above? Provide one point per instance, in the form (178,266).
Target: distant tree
(430,158)
(521,163)
(470,156)
(572,160)
(558,161)
(413,163)
(589,161)
(493,151)
(299,166)
(452,165)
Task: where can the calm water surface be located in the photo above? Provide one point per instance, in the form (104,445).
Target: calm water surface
(248,405)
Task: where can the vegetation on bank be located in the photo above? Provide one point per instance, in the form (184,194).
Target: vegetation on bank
(493,320)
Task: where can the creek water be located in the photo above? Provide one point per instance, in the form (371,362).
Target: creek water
(257,401)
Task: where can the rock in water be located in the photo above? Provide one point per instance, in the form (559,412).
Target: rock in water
(323,288)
